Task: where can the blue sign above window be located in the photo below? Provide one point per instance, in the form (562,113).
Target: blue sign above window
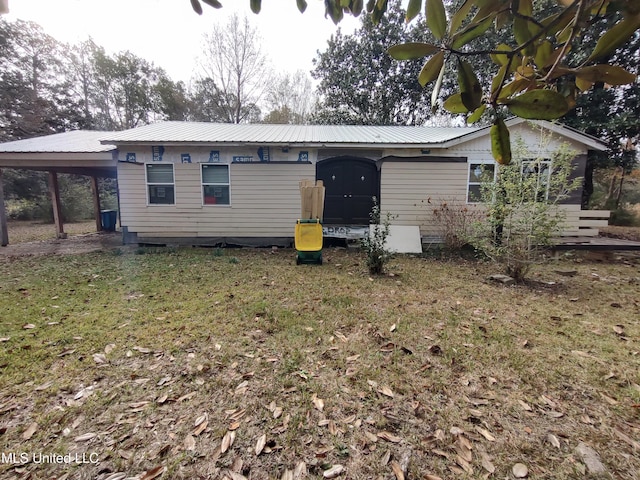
(157,152)
(263,154)
(185,157)
(214,156)
(303,156)
(131,157)
(242,158)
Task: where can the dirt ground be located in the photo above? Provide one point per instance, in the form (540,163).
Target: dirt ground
(22,237)
(627,233)
(74,244)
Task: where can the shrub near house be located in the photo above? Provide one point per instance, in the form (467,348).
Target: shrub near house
(523,213)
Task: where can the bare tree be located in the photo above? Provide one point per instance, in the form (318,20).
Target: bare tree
(235,69)
(290,99)
(82,72)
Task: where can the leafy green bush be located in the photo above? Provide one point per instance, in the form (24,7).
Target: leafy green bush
(624,217)
(523,211)
(77,199)
(24,209)
(25,203)
(108,194)
(374,244)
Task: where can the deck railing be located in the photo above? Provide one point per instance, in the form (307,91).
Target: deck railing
(584,223)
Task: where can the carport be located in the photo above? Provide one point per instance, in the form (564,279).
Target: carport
(77,152)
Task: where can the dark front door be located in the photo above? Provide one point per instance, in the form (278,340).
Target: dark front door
(350,185)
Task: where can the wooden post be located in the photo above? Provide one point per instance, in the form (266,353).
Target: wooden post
(4,232)
(54,190)
(96,202)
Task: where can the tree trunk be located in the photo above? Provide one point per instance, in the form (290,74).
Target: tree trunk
(587,184)
(238,102)
(619,194)
(4,234)
(612,186)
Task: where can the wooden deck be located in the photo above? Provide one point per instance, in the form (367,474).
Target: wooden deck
(595,243)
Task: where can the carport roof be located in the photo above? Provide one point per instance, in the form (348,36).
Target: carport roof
(77,152)
(78,141)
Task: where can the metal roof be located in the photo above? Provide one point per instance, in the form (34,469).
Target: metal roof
(356,135)
(85,141)
(78,141)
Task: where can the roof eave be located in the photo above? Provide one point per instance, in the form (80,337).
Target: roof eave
(576,135)
(70,156)
(401,145)
(570,133)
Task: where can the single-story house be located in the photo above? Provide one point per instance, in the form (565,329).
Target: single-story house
(209,184)
(202,183)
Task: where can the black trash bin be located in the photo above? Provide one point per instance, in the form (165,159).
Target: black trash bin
(108,219)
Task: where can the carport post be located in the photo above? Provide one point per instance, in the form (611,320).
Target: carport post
(54,190)
(96,202)
(4,233)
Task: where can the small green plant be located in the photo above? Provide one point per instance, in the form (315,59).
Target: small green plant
(374,244)
(523,212)
(234,260)
(342,450)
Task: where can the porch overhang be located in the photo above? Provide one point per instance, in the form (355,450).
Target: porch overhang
(76,153)
(94,164)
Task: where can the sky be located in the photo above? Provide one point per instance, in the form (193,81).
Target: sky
(169,33)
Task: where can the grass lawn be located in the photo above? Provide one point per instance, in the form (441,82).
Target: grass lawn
(202,363)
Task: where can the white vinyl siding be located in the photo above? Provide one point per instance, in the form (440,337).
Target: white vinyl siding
(410,190)
(266,202)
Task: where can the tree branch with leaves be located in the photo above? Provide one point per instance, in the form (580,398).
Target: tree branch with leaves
(532,77)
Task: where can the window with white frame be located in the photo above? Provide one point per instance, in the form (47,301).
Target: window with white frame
(215,184)
(160,184)
(539,173)
(478,174)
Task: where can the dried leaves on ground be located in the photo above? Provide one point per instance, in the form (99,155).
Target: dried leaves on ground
(180,363)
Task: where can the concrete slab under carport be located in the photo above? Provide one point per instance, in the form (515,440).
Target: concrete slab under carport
(77,152)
